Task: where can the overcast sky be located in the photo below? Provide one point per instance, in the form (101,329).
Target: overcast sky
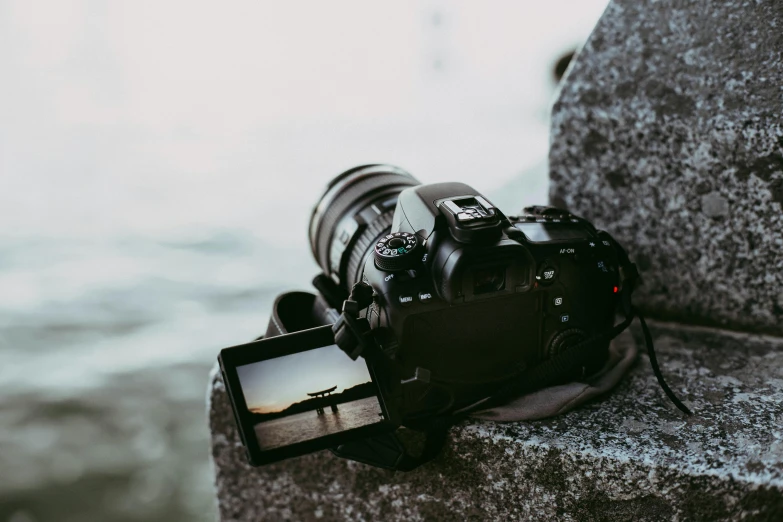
(150,115)
(275,384)
(129,125)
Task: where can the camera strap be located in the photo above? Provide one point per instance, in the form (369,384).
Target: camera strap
(297,311)
(630,280)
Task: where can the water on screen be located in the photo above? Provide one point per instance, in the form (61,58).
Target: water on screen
(309,425)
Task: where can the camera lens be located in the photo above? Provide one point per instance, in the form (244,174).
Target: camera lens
(355,211)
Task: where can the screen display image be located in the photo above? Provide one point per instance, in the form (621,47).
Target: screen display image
(546,232)
(307,395)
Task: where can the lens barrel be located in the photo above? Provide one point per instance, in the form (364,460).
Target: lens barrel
(356,209)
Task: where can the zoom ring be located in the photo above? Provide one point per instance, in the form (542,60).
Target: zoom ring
(377,228)
(362,188)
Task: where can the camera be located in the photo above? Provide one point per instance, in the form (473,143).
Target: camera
(464,296)
(443,305)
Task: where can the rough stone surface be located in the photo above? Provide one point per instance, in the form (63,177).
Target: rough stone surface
(668,132)
(632,456)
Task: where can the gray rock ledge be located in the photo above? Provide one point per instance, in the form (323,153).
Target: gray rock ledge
(632,456)
(668,133)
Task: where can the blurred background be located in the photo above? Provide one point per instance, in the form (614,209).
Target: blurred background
(158,164)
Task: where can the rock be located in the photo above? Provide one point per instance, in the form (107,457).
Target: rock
(713,205)
(632,456)
(668,132)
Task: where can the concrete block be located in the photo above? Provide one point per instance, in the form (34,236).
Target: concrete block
(632,456)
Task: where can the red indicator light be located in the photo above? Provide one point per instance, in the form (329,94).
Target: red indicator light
(615,289)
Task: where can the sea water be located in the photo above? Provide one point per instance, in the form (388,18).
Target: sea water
(309,425)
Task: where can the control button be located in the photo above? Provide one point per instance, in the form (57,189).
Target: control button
(406,300)
(564,318)
(558,301)
(565,339)
(546,274)
(425,297)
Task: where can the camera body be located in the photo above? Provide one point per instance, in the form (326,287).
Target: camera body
(466,297)
(453,307)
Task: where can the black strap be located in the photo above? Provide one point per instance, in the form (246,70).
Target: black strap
(297,311)
(351,333)
(354,335)
(332,293)
(656,369)
(630,280)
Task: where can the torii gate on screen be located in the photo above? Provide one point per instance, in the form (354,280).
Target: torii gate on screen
(327,399)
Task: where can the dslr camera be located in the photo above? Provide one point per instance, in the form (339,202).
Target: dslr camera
(443,305)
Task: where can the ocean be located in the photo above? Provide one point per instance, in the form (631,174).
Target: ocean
(158,166)
(308,425)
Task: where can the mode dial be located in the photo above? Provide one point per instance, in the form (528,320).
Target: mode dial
(396,251)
